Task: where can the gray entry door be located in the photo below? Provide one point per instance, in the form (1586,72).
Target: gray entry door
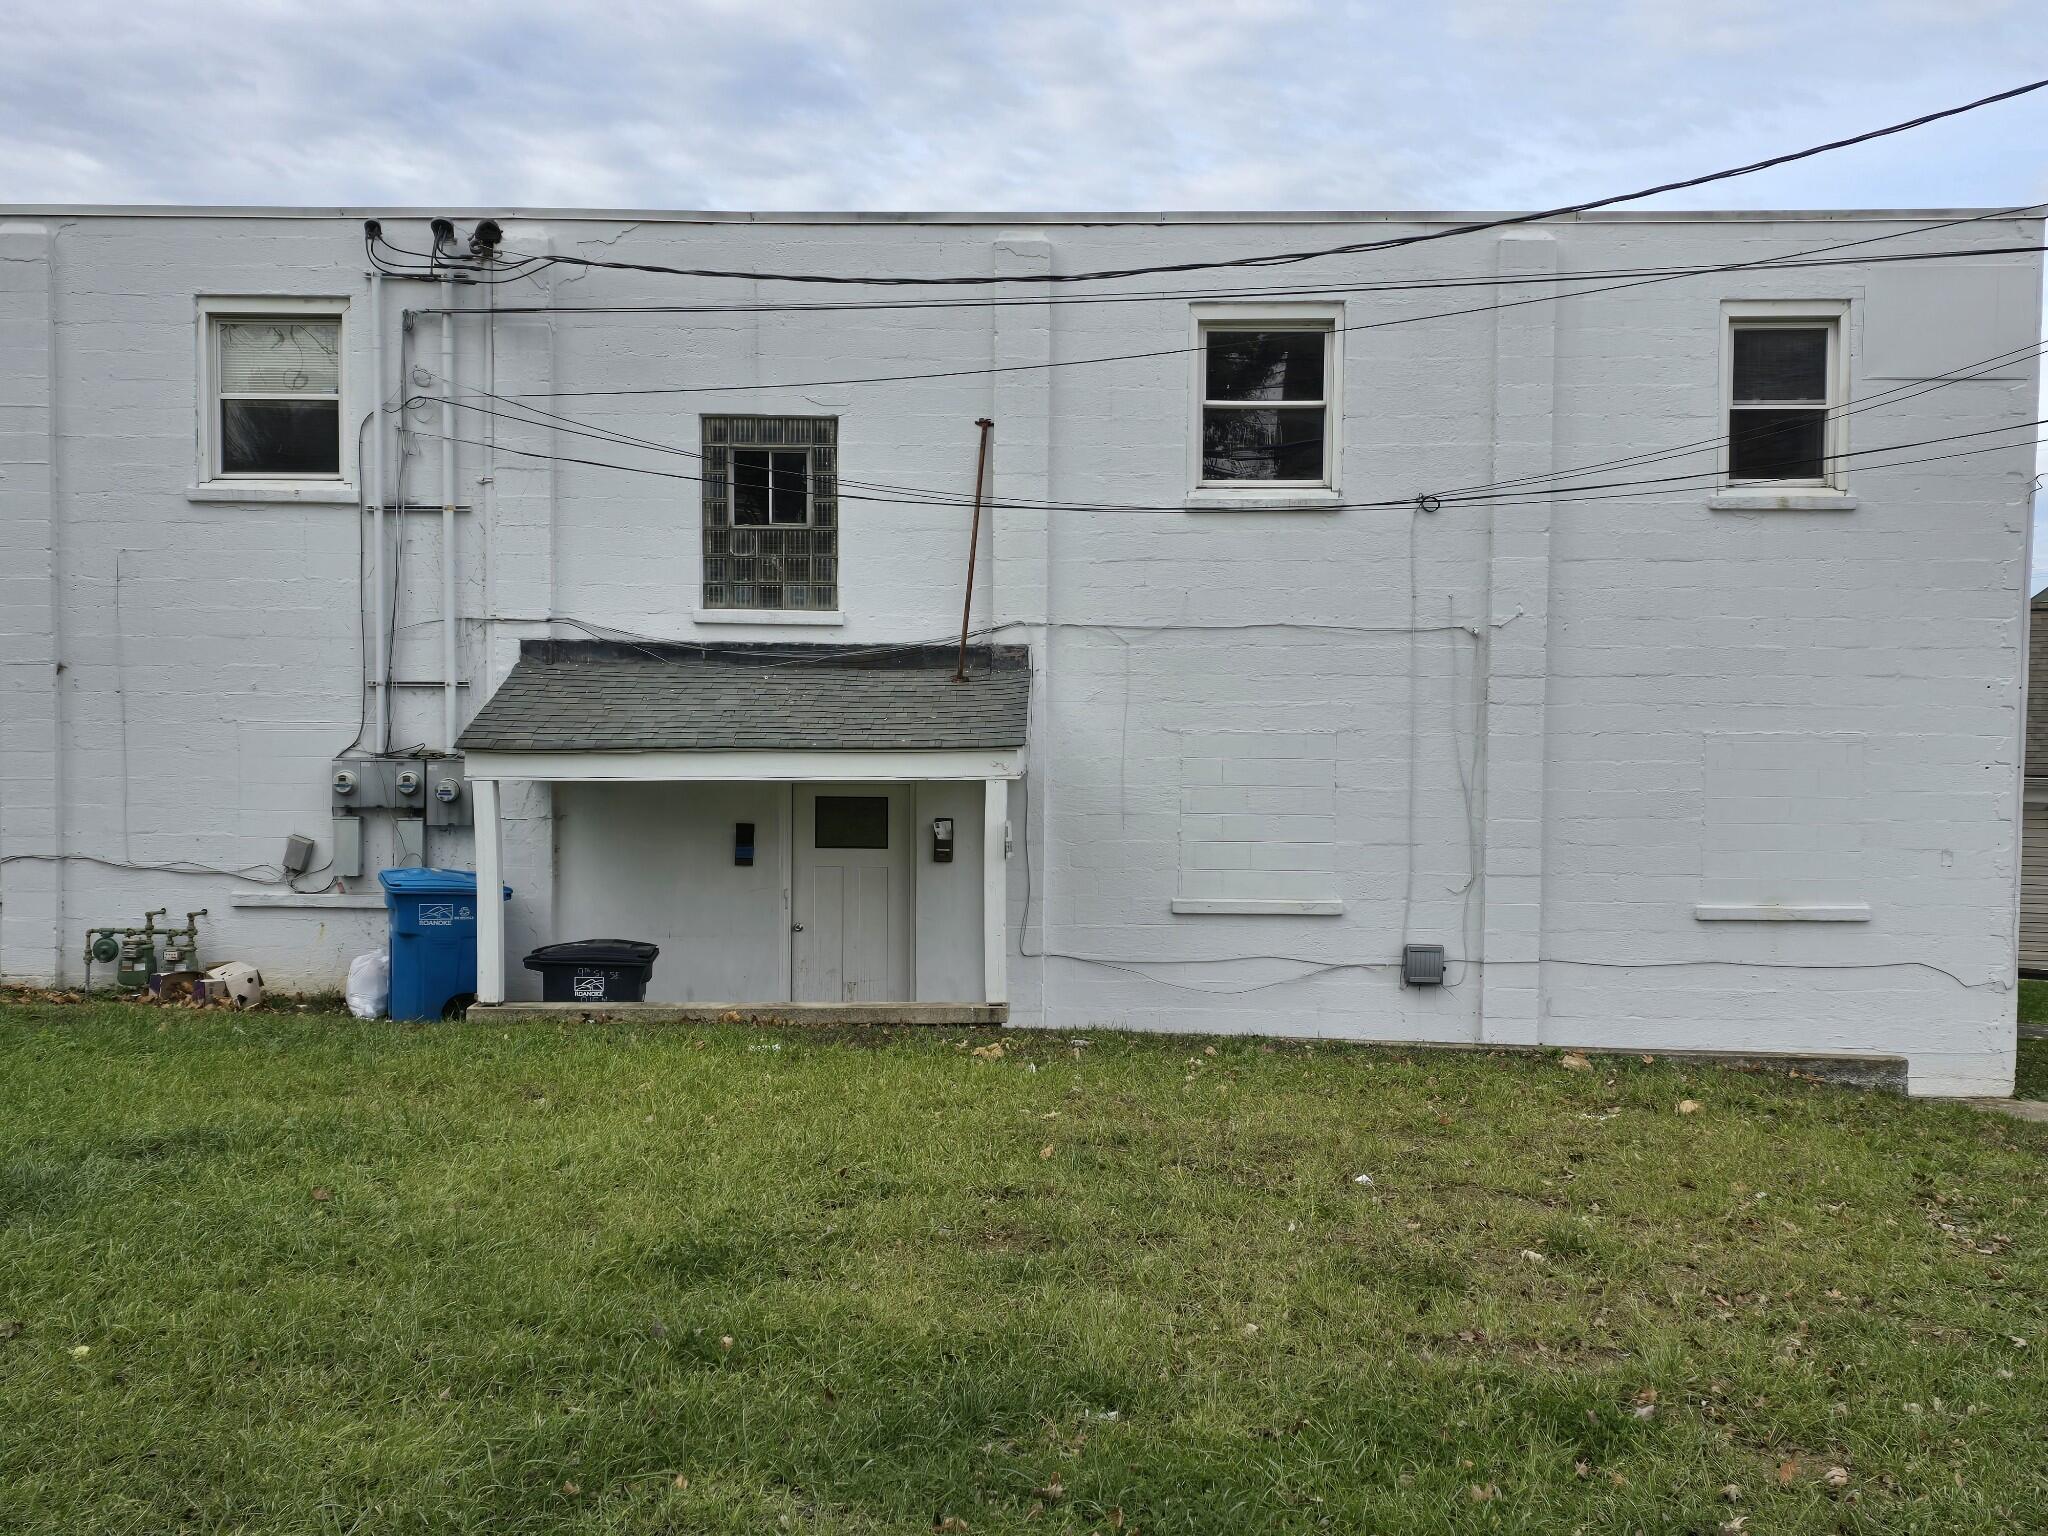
(851,908)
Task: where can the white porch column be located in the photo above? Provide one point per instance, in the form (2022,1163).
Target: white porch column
(995,928)
(490,894)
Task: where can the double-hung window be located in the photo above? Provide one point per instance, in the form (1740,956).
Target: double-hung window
(1266,388)
(274,386)
(771,513)
(1784,398)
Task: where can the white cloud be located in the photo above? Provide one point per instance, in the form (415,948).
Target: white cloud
(921,104)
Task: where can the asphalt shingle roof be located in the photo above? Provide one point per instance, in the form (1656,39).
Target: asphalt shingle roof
(588,695)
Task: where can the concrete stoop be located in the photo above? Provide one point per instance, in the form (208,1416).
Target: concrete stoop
(751,1013)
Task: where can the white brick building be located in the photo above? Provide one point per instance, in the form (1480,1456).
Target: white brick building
(1356,613)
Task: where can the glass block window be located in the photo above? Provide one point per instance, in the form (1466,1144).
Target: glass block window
(1781,400)
(771,512)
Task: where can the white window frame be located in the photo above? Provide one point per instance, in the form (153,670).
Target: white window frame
(810,511)
(1833,316)
(1267,495)
(210,482)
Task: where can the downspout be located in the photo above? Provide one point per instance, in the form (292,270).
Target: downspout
(381,674)
(448,620)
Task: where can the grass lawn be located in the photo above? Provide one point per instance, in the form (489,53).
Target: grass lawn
(284,1272)
(2031,1081)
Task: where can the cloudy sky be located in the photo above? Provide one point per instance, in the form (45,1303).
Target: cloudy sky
(938,104)
(1058,104)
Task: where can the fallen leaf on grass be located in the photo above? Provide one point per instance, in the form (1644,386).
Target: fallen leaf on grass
(1045,1151)
(1532,1255)
(1689,1106)
(1572,1061)
(80,1351)
(682,1481)
(949,1523)
(1581,1469)
(725,1341)
(1483,1493)
(1788,1471)
(571,1489)
(322,1193)
(1836,1477)
(10,1327)
(990,1052)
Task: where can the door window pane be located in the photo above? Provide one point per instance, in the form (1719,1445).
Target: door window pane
(1777,445)
(1261,444)
(280,437)
(1265,365)
(851,821)
(1781,362)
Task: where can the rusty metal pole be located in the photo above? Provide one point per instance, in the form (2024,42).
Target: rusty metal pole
(973,545)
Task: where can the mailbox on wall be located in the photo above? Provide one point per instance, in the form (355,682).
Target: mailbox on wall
(942,840)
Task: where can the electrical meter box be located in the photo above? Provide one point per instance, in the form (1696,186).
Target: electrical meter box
(447,794)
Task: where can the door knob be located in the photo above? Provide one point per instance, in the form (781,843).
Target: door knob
(796,927)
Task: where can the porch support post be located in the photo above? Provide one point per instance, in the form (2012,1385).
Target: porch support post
(995,927)
(490,894)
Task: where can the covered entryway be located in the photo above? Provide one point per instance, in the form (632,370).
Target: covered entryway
(795,826)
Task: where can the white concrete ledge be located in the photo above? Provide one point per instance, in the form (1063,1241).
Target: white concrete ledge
(351,901)
(1780,501)
(311,495)
(1786,912)
(749,1013)
(817,617)
(1204,904)
(1261,501)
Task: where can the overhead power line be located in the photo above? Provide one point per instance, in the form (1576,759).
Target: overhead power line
(521,413)
(1563,494)
(1050,364)
(1289,258)
(982,302)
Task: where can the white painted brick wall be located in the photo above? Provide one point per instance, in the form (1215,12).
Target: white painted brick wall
(174,673)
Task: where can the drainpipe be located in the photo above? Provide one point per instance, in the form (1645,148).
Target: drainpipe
(448,620)
(381,673)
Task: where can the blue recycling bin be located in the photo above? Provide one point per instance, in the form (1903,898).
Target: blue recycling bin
(433,938)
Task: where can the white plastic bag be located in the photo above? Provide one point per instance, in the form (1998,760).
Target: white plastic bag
(369,984)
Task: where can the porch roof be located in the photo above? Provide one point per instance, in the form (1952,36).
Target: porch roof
(610,696)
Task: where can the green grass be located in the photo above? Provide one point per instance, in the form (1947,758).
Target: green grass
(285,1272)
(2031,1078)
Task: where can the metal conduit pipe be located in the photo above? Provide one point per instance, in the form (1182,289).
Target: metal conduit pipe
(380,675)
(449,626)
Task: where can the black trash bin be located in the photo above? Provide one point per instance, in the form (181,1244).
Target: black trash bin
(594,970)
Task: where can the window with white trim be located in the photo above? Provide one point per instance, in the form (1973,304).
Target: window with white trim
(771,513)
(1784,399)
(274,396)
(1265,386)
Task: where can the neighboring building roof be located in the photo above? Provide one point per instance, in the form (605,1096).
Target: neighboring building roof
(601,695)
(2037,689)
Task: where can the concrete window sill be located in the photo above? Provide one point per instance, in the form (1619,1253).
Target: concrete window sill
(1261,501)
(1219,907)
(1790,912)
(1739,499)
(352,901)
(816,618)
(326,494)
